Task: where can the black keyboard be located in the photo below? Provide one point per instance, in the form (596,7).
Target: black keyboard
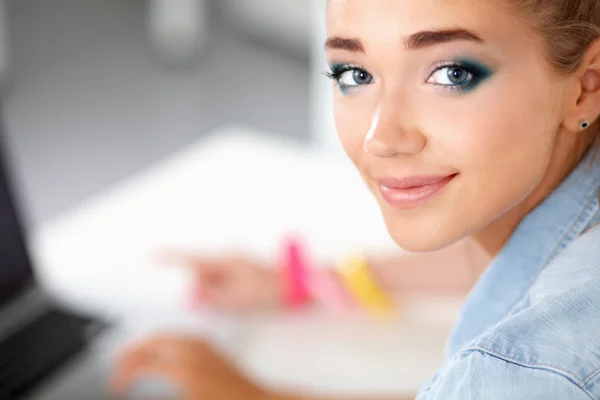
(31,354)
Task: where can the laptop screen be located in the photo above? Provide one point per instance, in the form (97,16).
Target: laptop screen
(15,266)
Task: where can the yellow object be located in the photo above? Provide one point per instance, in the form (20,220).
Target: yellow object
(362,285)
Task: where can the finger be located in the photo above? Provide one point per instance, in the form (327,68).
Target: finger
(235,258)
(166,349)
(125,378)
(157,346)
(210,271)
(197,299)
(158,350)
(169,256)
(209,287)
(165,341)
(233,305)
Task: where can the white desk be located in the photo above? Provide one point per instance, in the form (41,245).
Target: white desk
(99,257)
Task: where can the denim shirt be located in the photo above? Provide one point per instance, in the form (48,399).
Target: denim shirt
(530,328)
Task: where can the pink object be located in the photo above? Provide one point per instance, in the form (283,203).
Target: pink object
(328,290)
(195,300)
(295,276)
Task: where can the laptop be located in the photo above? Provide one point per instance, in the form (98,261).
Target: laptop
(50,353)
(37,337)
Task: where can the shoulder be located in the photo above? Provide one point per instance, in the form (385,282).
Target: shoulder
(559,332)
(575,266)
(476,374)
(549,349)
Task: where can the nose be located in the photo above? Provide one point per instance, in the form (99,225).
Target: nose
(392,134)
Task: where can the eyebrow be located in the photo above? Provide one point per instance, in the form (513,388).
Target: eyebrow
(415,41)
(341,43)
(420,40)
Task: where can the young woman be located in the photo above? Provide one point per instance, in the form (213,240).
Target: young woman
(468,119)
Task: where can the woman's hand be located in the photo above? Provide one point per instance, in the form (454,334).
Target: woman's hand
(232,284)
(197,370)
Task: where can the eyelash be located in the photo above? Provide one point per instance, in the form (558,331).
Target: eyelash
(473,71)
(338,70)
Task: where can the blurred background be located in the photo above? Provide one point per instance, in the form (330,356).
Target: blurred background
(135,124)
(94,91)
(197,124)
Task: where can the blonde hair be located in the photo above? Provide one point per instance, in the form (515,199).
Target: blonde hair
(567,28)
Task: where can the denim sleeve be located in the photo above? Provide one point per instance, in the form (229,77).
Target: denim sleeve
(476,375)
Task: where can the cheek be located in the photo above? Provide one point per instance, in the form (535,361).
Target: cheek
(498,132)
(353,118)
(501,143)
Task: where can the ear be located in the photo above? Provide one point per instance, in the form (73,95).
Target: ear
(587,78)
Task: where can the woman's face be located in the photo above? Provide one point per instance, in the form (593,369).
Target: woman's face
(448,109)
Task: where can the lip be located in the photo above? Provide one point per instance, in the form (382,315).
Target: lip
(412,191)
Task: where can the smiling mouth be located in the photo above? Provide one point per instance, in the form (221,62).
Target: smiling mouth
(412,191)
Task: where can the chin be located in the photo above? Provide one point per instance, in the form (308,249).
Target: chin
(423,237)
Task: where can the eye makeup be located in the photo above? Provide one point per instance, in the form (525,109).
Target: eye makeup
(462,75)
(459,76)
(349,76)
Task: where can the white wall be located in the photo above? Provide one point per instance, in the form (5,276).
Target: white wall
(286,22)
(322,121)
(299,24)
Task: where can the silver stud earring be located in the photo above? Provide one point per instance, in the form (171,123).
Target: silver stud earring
(584,125)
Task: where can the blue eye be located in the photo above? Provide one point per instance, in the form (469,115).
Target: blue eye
(461,76)
(349,76)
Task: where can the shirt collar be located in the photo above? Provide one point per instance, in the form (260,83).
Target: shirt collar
(538,239)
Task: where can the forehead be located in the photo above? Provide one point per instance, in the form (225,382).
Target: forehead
(392,20)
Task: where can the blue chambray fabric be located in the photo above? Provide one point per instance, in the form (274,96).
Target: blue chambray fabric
(530,328)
